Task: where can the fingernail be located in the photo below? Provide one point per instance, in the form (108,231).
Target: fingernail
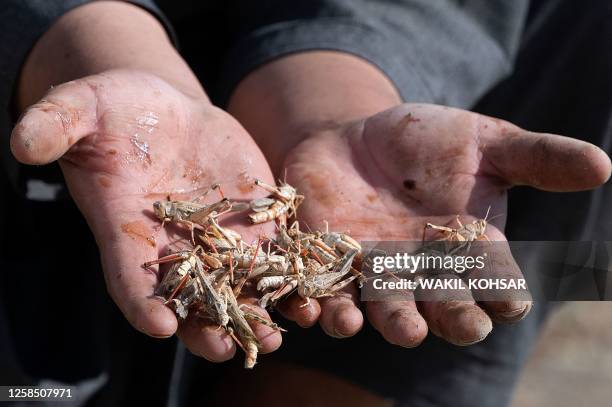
(346,321)
(160,336)
(404,330)
(339,335)
(516,313)
(468,331)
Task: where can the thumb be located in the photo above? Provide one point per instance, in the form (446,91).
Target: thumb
(47,129)
(546,161)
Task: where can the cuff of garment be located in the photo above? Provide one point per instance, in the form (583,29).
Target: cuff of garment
(356,38)
(23,22)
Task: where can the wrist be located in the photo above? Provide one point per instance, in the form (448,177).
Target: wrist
(289,99)
(98,37)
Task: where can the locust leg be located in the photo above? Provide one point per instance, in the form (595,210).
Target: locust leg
(297,201)
(274,296)
(192,226)
(446,229)
(184,255)
(178,288)
(238,287)
(339,286)
(263,301)
(306,303)
(257,318)
(231,268)
(221,232)
(208,191)
(230,331)
(423,237)
(167,259)
(269,188)
(441,228)
(331,291)
(459,221)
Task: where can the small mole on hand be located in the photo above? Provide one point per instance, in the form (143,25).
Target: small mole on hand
(409,184)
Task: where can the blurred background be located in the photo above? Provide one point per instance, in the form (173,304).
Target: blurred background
(571,364)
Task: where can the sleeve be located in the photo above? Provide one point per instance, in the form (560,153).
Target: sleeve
(23,22)
(446,51)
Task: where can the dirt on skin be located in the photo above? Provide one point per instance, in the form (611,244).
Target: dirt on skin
(139,231)
(245,183)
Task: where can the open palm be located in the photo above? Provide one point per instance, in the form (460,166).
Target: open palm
(125,139)
(385,177)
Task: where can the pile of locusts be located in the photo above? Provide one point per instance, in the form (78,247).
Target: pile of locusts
(207,279)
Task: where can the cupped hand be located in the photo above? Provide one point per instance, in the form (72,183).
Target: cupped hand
(385,177)
(125,139)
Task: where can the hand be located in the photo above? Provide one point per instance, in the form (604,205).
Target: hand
(125,139)
(384,177)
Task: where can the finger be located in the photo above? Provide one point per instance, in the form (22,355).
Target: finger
(303,313)
(207,341)
(545,161)
(502,304)
(453,314)
(399,322)
(340,315)
(269,338)
(47,129)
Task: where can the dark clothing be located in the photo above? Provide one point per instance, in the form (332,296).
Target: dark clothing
(448,51)
(543,65)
